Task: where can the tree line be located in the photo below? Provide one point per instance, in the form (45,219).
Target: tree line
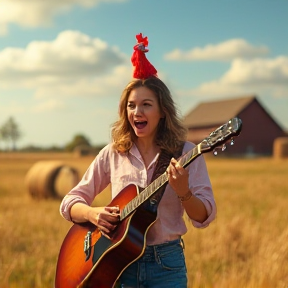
(10,133)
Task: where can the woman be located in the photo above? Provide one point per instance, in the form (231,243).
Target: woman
(148,125)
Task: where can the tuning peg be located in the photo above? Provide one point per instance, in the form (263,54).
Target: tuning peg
(223,147)
(232,142)
(215,152)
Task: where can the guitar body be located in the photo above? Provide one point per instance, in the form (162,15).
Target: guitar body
(108,257)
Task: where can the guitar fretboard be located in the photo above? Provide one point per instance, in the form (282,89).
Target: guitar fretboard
(184,160)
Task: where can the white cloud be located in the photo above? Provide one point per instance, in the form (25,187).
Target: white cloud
(48,105)
(10,108)
(258,71)
(73,65)
(258,76)
(225,51)
(34,13)
(107,85)
(72,56)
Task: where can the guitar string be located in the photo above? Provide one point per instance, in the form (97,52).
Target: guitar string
(155,185)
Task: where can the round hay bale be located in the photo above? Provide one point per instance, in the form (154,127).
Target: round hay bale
(42,177)
(280,148)
(66,179)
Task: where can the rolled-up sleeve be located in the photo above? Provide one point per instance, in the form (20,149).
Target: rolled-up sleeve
(94,181)
(200,185)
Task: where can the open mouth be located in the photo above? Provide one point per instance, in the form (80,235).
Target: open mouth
(140,124)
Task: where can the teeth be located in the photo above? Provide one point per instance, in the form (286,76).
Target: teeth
(140,124)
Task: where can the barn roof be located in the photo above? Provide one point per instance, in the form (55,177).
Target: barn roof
(216,112)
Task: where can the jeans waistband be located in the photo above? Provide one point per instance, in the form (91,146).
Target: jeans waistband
(151,251)
(173,242)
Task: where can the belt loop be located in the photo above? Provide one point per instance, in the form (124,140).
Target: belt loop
(157,258)
(182,244)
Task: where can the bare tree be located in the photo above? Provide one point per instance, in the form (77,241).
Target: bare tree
(4,135)
(10,132)
(1,136)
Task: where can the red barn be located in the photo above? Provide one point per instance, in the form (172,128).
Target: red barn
(259,129)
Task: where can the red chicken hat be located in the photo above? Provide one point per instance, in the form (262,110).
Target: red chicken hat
(143,69)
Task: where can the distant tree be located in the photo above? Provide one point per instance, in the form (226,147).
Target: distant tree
(10,132)
(78,140)
(1,136)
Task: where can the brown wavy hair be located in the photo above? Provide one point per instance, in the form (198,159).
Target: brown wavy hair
(170,133)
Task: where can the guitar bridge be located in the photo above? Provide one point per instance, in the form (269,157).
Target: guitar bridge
(87,245)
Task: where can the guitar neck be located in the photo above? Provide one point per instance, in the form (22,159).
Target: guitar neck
(184,161)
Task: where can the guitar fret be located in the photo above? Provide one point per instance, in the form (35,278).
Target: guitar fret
(155,185)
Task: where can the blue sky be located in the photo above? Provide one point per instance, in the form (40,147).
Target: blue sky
(64,63)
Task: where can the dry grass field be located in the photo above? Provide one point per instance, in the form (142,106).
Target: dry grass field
(247,245)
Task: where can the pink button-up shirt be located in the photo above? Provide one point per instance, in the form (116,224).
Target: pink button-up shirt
(121,169)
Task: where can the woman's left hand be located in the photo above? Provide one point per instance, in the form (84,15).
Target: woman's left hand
(178,177)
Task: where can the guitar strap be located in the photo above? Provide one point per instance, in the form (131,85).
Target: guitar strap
(161,166)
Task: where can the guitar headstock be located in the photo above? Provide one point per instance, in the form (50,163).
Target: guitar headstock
(222,135)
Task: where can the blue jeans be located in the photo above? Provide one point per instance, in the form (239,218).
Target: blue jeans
(161,266)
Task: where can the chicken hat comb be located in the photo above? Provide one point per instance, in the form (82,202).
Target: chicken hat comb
(143,69)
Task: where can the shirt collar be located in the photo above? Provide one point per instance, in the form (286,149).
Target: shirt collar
(135,152)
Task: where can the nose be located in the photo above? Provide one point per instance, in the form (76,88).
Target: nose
(138,111)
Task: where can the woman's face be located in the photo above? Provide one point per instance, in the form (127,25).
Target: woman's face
(143,112)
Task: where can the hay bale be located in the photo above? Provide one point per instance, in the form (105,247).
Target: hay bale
(280,148)
(42,178)
(66,179)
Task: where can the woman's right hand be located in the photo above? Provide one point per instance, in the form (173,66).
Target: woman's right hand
(105,218)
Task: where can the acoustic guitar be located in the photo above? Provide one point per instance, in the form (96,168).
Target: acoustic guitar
(88,259)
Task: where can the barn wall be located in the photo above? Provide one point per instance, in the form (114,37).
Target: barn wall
(258,132)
